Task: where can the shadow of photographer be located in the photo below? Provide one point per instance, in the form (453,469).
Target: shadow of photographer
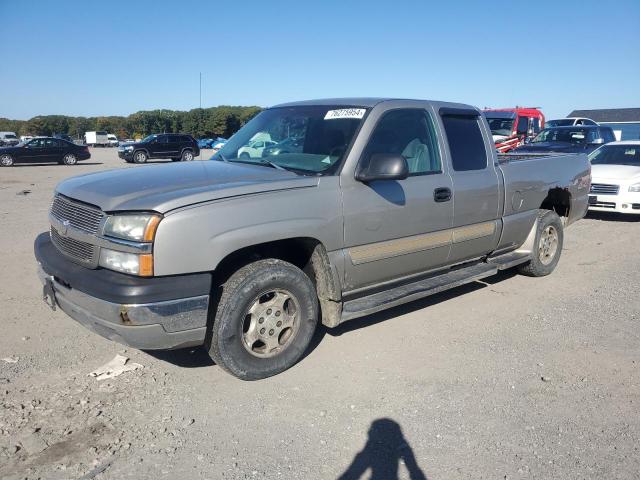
(386,447)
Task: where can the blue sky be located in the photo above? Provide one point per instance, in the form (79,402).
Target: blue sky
(117,57)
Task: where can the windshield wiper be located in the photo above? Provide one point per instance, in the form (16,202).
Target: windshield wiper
(271,164)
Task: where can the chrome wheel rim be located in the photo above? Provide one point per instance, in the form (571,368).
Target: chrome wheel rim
(270,323)
(69,159)
(139,157)
(548,245)
(6,160)
(188,156)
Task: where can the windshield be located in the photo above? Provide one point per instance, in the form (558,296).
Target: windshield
(501,126)
(149,138)
(616,155)
(324,134)
(9,135)
(564,122)
(576,136)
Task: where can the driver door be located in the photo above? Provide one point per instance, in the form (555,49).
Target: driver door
(395,228)
(34,151)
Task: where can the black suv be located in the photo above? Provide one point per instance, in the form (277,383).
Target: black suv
(176,146)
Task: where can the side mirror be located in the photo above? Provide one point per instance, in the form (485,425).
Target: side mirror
(383,166)
(597,141)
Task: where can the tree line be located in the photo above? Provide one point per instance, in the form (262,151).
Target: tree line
(222,121)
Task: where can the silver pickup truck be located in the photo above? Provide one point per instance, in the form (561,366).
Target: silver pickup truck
(366,204)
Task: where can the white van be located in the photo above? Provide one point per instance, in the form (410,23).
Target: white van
(96,139)
(113,140)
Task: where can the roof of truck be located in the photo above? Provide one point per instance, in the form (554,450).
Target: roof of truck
(366,102)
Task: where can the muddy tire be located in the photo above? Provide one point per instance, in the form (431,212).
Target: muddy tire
(547,246)
(264,320)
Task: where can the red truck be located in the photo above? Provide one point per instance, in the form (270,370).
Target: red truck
(510,127)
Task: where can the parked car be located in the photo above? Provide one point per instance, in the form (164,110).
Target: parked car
(511,127)
(205,142)
(96,139)
(288,145)
(112,140)
(63,136)
(8,139)
(176,146)
(615,183)
(44,150)
(581,139)
(254,149)
(251,253)
(570,122)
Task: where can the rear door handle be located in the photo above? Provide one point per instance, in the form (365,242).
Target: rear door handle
(442,194)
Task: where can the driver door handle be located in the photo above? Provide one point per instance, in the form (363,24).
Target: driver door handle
(442,194)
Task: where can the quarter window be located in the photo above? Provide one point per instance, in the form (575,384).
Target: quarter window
(466,143)
(410,133)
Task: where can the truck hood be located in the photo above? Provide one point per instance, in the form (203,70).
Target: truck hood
(615,172)
(162,188)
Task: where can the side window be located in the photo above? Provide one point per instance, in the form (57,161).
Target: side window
(523,125)
(50,142)
(535,125)
(410,133)
(466,143)
(163,139)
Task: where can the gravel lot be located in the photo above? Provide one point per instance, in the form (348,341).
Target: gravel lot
(505,379)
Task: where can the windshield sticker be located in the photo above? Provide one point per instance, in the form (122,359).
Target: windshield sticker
(345,113)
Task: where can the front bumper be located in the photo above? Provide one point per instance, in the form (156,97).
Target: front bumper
(627,203)
(125,154)
(143,313)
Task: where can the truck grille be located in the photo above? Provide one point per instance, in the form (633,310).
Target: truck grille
(77,251)
(79,215)
(604,189)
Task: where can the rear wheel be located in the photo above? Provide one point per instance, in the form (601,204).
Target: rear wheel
(265,319)
(6,160)
(140,157)
(69,159)
(547,246)
(187,156)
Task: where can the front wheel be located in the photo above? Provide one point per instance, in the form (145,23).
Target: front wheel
(6,160)
(140,157)
(69,159)
(547,246)
(265,319)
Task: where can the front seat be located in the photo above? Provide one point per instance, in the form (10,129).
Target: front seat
(417,155)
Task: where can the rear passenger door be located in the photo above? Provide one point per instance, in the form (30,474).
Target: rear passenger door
(476,185)
(173,146)
(52,150)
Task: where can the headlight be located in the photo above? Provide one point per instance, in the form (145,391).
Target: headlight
(136,227)
(635,188)
(128,148)
(130,263)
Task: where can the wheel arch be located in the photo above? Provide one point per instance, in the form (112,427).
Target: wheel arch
(558,200)
(306,253)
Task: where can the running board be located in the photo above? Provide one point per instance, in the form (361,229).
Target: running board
(373,303)
(509,260)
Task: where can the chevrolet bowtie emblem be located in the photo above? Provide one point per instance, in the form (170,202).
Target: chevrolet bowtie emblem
(65,228)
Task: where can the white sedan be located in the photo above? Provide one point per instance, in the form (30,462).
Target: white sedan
(254,149)
(615,178)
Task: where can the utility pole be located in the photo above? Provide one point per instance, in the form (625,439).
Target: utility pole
(200,89)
